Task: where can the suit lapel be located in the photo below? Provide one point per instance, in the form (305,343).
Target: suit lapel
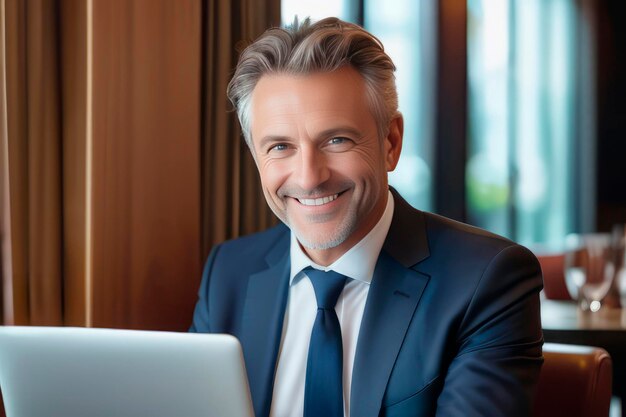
(264,312)
(393,297)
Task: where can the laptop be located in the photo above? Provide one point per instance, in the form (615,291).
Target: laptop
(81,372)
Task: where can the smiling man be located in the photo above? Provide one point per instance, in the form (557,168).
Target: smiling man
(321,161)
(360,305)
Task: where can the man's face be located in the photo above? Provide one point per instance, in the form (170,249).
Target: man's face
(323,168)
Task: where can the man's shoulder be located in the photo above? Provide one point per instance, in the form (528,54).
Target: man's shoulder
(458,231)
(449,239)
(441,235)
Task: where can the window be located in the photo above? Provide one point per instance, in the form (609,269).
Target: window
(521,118)
(406,27)
(527,173)
(316,10)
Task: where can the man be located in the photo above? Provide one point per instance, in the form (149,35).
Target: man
(416,315)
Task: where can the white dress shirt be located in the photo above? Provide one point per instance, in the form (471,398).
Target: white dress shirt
(358,265)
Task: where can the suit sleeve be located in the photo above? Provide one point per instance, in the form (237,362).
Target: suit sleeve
(498,358)
(200,322)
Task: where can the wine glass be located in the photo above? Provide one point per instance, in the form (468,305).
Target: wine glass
(619,247)
(589,269)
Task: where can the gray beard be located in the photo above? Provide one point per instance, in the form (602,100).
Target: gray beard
(342,233)
(334,241)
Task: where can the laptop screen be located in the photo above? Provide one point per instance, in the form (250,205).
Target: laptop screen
(77,372)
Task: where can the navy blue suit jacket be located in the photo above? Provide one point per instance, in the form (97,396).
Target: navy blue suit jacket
(451,326)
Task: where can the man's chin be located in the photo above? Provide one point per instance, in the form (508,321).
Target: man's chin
(322,235)
(320,240)
(314,244)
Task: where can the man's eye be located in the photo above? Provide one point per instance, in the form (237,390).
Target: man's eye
(278,147)
(338,140)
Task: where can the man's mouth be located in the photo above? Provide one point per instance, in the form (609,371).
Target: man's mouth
(317,201)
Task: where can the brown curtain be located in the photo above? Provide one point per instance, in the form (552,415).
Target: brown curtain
(43,146)
(32,196)
(232,200)
(4,200)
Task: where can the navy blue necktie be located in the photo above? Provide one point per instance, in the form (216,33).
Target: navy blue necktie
(323,390)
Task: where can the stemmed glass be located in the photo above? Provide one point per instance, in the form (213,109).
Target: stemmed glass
(619,246)
(590,269)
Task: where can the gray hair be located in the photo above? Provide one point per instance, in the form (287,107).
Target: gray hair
(323,46)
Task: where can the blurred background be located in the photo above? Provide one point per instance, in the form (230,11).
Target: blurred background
(122,163)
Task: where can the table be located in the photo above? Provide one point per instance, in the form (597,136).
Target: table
(563,322)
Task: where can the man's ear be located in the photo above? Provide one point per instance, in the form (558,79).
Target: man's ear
(393,142)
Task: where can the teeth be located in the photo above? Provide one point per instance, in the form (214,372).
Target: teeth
(317,201)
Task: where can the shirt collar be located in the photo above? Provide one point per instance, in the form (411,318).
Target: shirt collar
(359,261)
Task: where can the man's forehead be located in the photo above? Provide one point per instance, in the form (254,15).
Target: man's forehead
(342,85)
(315,102)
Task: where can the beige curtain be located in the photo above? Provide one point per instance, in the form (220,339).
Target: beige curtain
(31,164)
(232,200)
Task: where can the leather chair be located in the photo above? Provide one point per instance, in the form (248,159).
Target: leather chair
(552,266)
(575,381)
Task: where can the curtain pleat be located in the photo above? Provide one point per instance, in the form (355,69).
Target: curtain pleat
(33,144)
(232,199)
(5,248)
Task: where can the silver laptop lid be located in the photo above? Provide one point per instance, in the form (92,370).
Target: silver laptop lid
(79,372)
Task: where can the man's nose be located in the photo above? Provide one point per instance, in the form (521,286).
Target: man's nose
(313,170)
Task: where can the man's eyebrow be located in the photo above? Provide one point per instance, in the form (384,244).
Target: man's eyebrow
(272,139)
(338,131)
(319,136)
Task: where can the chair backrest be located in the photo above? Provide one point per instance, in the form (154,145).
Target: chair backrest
(552,267)
(575,381)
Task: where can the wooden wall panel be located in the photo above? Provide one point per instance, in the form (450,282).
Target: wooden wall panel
(146,181)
